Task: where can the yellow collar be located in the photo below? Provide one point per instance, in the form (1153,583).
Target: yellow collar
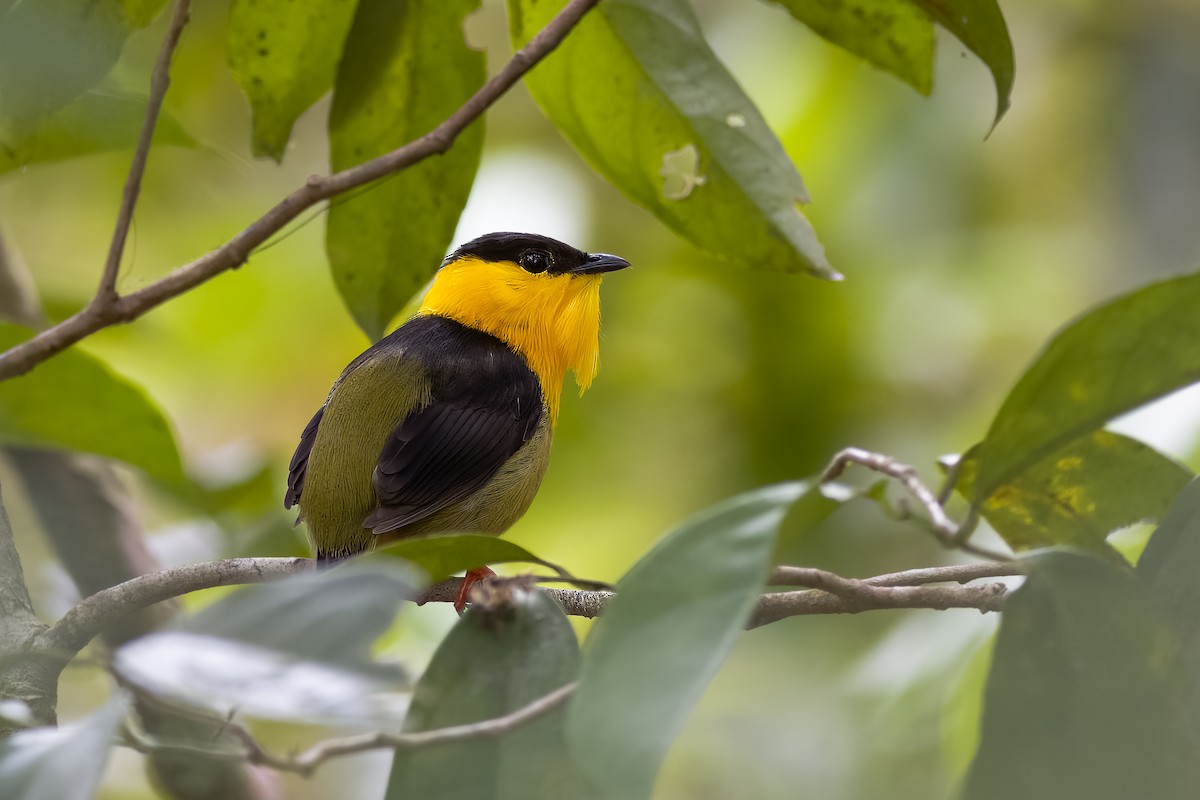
(551,320)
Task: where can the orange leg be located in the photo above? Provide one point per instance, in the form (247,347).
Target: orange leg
(472,577)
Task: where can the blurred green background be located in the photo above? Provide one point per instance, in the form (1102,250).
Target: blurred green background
(961,255)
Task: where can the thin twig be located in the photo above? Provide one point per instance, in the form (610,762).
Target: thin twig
(950,482)
(25,356)
(958,573)
(160,79)
(306,762)
(939,524)
(859,596)
(955,573)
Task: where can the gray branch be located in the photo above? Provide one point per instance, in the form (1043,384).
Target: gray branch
(105,608)
(946,531)
(830,594)
(834,595)
(858,596)
(33,681)
(306,762)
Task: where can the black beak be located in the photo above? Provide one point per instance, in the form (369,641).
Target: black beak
(600,262)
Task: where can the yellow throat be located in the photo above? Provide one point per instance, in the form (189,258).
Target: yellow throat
(552,320)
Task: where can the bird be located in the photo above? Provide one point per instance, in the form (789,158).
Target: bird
(445,424)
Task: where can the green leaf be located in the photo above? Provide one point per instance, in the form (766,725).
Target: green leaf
(293,649)
(497,659)
(52,51)
(95,123)
(891,34)
(1168,566)
(1083,699)
(980,26)
(1079,494)
(331,615)
(814,503)
(637,90)
(60,763)
(1114,358)
(963,711)
(663,636)
(74,401)
(406,68)
(284,55)
(443,555)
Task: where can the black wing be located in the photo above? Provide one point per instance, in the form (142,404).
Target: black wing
(441,455)
(299,461)
(486,403)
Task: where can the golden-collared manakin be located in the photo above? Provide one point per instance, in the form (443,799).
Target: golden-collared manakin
(445,424)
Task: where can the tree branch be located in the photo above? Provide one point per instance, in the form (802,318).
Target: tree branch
(835,595)
(829,594)
(861,596)
(956,573)
(306,762)
(30,680)
(25,356)
(940,525)
(93,614)
(160,79)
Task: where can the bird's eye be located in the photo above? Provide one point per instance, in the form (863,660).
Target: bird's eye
(535,261)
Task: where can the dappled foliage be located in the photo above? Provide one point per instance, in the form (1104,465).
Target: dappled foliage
(721,380)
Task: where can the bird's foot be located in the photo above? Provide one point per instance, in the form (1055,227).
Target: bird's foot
(472,577)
